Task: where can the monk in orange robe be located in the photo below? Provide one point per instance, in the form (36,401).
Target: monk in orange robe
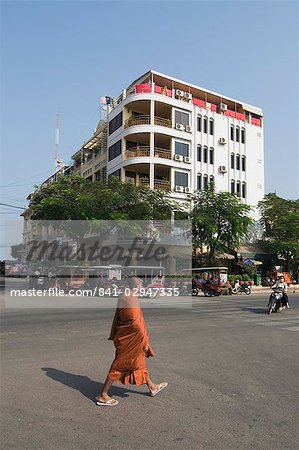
(129,335)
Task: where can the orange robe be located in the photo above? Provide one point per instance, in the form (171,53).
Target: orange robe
(130,338)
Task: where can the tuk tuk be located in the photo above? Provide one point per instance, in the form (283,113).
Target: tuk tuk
(212,281)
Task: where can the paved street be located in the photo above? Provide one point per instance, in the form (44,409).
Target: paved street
(232,373)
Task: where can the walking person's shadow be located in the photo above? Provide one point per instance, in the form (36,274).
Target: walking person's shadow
(89,388)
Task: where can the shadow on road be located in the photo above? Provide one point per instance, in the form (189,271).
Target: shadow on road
(256,310)
(85,385)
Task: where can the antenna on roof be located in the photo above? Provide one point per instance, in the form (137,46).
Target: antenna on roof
(58,160)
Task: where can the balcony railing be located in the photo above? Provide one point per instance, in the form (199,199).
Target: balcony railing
(142,150)
(138,120)
(146,120)
(162,153)
(144,182)
(162,122)
(162,184)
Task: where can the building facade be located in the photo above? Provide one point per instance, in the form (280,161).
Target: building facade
(168,134)
(91,160)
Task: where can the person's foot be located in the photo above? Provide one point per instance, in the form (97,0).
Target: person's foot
(157,388)
(153,387)
(106,400)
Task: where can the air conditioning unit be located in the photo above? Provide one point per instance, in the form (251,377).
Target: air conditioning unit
(222,140)
(186,190)
(179,93)
(179,126)
(179,189)
(187,159)
(223,107)
(188,96)
(222,169)
(178,157)
(188,129)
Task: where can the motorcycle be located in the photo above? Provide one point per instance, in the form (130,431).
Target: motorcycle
(241,289)
(275,300)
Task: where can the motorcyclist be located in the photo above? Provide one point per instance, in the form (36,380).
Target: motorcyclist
(281,284)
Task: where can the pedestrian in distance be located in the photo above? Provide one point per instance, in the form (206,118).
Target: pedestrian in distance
(131,341)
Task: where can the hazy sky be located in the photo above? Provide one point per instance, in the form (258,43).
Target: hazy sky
(62,56)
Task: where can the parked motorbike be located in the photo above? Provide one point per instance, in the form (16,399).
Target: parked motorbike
(275,300)
(241,289)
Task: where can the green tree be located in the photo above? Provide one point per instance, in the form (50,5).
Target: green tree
(71,200)
(74,198)
(219,221)
(280,218)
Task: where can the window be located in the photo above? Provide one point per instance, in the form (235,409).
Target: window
(205,124)
(205,182)
(101,174)
(243,135)
(114,150)
(232,133)
(238,186)
(211,129)
(232,186)
(211,155)
(232,160)
(205,154)
(181,179)
(211,178)
(199,153)
(199,181)
(244,163)
(243,190)
(115,123)
(237,134)
(181,149)
(199,118)
(115,174)
(238,162)
(181,117)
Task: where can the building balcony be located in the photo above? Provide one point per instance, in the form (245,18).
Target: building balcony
(144,150)
(162,153)
(133,152)
(162,122)
(138,120)
(145,182)
(162,184)
(146,120)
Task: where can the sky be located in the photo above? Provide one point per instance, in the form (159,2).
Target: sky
(62,56)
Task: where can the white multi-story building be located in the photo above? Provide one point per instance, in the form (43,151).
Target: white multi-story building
(169,134)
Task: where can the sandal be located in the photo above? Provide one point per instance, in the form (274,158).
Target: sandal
(111,402)
(159,388)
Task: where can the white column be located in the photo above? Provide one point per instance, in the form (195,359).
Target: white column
(152,145)
(122,174)
(152,175)
(152,113)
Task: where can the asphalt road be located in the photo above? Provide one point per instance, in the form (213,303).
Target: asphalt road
(232,373)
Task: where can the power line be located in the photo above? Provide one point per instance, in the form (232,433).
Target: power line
(11,206)
(15,183)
